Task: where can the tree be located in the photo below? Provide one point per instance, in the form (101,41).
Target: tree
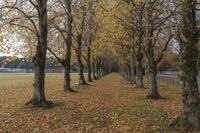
(64,25)
(188,38)
(80,28)
(68,40)
(39,27)
(40,55)
(157,38)
(90,33)
(131,20)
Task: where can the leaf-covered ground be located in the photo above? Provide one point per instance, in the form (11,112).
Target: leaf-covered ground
(109,105)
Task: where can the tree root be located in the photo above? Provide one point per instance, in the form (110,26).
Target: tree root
(155,97)
(40,104)
(90,81)
(175,122)
(178,123)
(70,90)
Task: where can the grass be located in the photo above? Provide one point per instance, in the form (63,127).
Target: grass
(110,105)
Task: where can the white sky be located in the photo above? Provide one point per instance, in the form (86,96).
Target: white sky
(9,44)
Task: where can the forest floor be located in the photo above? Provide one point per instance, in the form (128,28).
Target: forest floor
(109,105)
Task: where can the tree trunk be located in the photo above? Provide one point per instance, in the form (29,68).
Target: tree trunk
(98,68)
(189,55)
(80,63)
(139,70)
(100,76)
(129,73)
(153,90)
(38,98)
(67,86)
(93,70)
(133,74)
(68,43)
(132,65)
(89,64)
(152,71)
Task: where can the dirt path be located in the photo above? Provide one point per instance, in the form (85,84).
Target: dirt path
(109,105)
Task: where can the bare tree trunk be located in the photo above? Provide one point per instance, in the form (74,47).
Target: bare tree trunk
(152,76)
(97,71)
(98,68)
(189,55)
(67,86)
(139,72)
(90,34)
(94,70)
(80,63)
(133,72)
(38,98)
(89,65)
(129,72)
(153,90)
(152,71)
(68,42)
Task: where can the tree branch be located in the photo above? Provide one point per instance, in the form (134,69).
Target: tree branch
(163,50)
(54,54)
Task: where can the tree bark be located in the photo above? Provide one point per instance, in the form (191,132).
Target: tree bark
(153,89)
(68,43)
(129,72)
(133,72)
(189,55)
(90,39)
(152,74)
(94,70)
(152,70)
(80,63)
(38,98)
(89,65)
(67,67)
(67,86)
(98,68)
(139,72)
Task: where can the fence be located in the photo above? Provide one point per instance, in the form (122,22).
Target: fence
(172,79)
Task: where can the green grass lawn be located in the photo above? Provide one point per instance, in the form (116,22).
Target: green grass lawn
(16,88)
(109,105)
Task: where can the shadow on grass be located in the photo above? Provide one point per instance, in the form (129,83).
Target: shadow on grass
(30,108)
(80,87)
(158,98)
(154,99)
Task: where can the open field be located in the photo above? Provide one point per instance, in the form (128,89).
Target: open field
(109,105)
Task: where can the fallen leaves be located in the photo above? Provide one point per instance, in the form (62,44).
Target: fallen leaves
(110,105)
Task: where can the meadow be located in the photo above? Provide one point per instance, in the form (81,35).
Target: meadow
(109,105)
